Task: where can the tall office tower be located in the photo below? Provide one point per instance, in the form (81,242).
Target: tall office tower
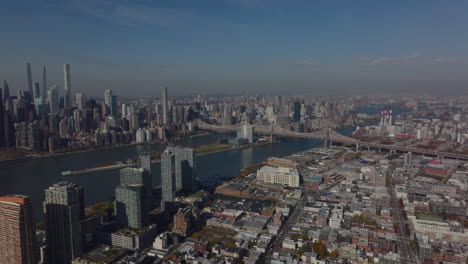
(67,95)
(28,71)
(107,97)
(77,120)
(63,208)
(53,123)
(6,90)
(36,91)
(80,101)
(113,106)
(185,168)
(144,161)
(297,112)
(129,205)
(139,176)
(44,85)
(168,181)
(165,106)
(17,231)
(175,119)
(124,110)
(53,98)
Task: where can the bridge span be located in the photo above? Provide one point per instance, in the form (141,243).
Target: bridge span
(330,136)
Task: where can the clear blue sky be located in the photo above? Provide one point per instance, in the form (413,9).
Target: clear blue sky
(231,46)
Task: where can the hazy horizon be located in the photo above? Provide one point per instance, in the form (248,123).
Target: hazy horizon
(238,46)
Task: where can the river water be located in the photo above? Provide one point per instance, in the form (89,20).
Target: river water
(32,176)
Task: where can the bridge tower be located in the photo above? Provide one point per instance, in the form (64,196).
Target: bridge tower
(327,139)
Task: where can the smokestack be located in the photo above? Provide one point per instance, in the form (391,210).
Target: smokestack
(390,116)
(381,117)
(385,116)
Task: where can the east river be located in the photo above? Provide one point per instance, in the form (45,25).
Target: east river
(31,177)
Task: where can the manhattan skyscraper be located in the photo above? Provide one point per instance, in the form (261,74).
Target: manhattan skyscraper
(44,85)
(67,97)
(30,82)
(165,106)
(6,90)
(53,99)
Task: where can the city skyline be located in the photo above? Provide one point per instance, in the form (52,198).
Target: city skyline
(214,47)
(233,131)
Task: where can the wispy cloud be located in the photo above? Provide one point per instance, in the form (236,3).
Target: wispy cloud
(246,3)
(444,60)
(138,12)
(386,60)
(415,59)
(306,62)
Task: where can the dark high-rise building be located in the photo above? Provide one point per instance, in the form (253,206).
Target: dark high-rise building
(144,161)
(139,176)
(18,244)
(36,91)
(113,106)
(6,90)
(165,106)
(53,99)
(129,205)
(30,82)
(297,112)
(53,123)
(168,172)
(67,96)
(44,85)
(9,129)
(63,208)
(28,135)
(185,168)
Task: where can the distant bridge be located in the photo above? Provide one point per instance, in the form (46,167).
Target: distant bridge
(327,134)
(330,136)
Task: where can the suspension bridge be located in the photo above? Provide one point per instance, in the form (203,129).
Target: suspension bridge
(330,136)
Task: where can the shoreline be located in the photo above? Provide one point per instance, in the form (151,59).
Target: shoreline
(121,165)
(77,151)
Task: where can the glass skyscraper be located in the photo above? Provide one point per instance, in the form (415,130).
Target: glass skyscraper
(140,176)
(129,205)
(67,96)
(185,168)
(168,181)
(64,208)
(178,171)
